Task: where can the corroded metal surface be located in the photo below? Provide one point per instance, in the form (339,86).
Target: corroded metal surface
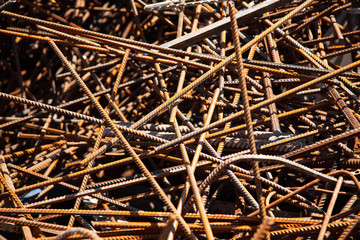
(179,119)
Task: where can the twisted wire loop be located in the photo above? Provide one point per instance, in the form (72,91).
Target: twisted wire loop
(268,158)
(248,175)
(288,163)
(83,232)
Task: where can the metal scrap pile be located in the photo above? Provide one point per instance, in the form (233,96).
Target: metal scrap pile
(179,119)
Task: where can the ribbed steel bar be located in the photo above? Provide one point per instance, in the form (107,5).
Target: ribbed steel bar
(181,160)
(264,103)
(218,67)
(122,139)
(245,100)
